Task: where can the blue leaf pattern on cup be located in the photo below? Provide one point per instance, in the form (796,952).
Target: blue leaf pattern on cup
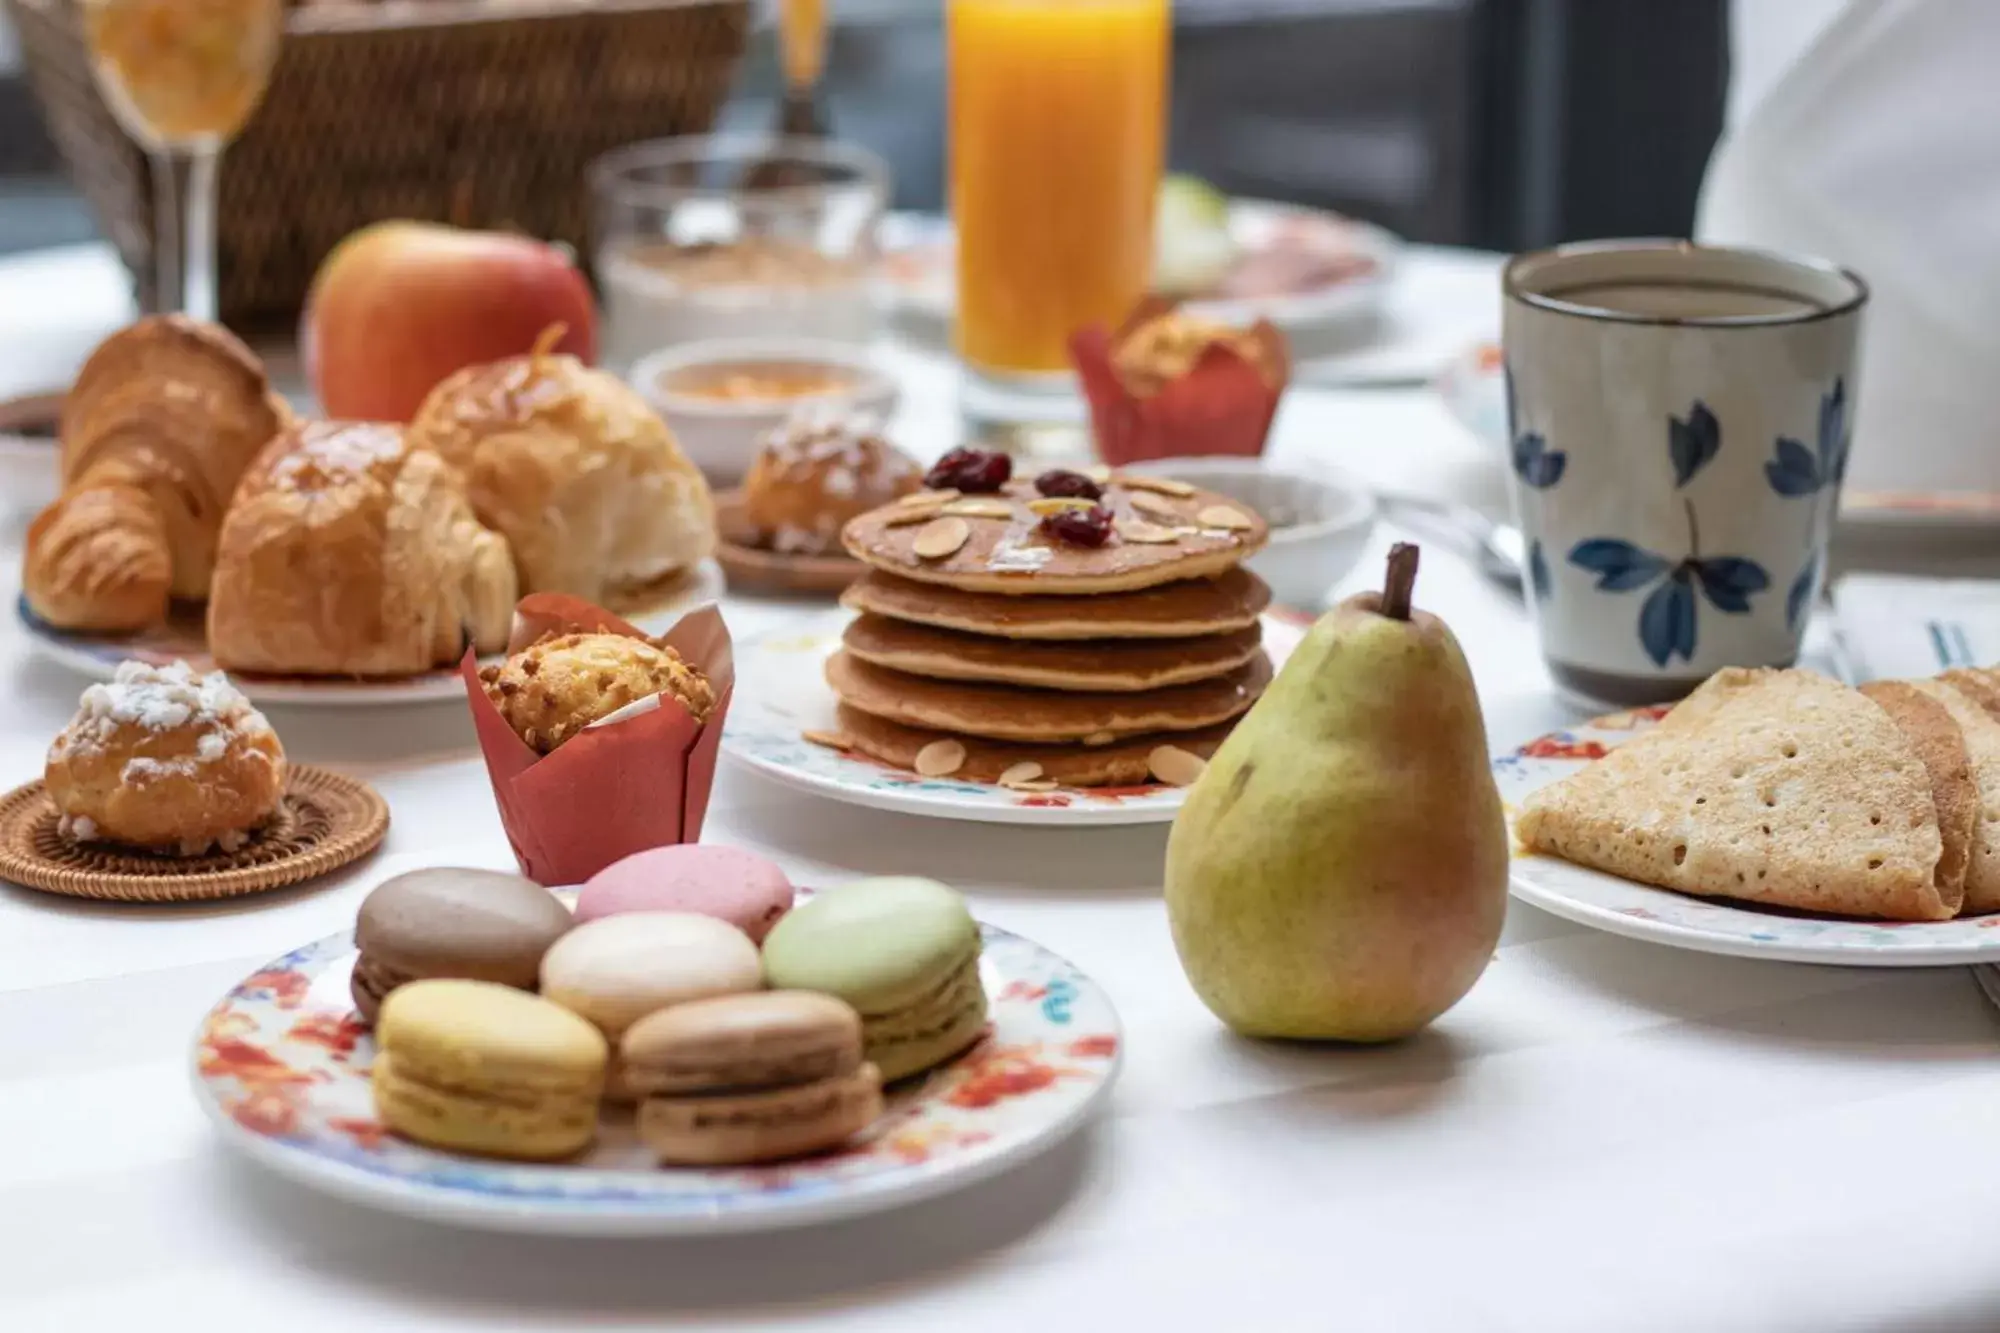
(1794,471)
(1727,581)
(1694,442)
(1619,565)
(1536,464)
(1538,571)
(1667,617)
(1666,621)
(1800,597)
(1833,439)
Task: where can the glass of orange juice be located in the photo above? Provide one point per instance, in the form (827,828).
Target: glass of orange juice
(183,76)
(1058,122)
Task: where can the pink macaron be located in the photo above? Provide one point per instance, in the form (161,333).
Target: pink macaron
(729,883)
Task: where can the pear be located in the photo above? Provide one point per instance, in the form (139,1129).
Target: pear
(1340,869)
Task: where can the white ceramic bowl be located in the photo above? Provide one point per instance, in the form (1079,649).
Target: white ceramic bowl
(721,434)
(1320,519)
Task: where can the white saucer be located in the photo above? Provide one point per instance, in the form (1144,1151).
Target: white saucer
(282,1067)
(183,640)
(781,693)
(1708,925)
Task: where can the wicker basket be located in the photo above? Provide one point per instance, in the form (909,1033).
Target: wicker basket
(481,112)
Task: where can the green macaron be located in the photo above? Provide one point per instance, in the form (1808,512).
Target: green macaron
(903,951)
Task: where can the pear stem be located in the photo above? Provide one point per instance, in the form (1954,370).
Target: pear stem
(1401,582)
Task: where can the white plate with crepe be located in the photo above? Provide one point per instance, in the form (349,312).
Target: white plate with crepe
(181,639)
(782,695)
(1708,925)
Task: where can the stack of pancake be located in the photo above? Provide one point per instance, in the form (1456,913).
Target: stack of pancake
(991,649)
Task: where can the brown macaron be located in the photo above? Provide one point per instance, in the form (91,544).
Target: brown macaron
(473,925)
(750,1078)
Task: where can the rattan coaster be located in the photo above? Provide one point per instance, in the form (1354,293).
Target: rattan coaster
(325,822)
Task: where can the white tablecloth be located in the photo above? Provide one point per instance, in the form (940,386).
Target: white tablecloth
(1604,1135)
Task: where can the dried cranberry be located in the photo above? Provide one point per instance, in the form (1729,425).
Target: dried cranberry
(970,472)
(1080,527)
(1061,482)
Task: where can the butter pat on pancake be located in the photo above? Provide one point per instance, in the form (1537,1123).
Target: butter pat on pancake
(1084,664)
(1004,712)
(1221,605)
(1779,787)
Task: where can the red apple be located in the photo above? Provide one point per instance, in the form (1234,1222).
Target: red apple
(398,306)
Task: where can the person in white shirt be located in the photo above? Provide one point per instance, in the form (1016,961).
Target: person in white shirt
(1868,132)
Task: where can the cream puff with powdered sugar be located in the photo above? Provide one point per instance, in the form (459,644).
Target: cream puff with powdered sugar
(165,759)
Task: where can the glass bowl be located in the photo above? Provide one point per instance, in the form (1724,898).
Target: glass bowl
(735,236)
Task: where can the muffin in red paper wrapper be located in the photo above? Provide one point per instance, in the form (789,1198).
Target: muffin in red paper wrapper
(1167,384)
(600,739)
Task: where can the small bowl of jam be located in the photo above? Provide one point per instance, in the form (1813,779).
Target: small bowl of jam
(721,396)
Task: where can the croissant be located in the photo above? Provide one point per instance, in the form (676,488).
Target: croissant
(586,482)
(163,419)
(349,553)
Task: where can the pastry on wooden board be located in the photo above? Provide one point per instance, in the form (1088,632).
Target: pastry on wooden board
(163,419)
(348,552)
(585,481)
(816,472)
(1791,789)
(166,760)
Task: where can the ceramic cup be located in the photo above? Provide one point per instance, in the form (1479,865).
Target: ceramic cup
(1678,429)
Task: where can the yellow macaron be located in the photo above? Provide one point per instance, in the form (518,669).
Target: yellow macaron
(477,1067)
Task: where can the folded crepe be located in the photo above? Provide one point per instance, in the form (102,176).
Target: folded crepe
(1974,704)
(1780,787)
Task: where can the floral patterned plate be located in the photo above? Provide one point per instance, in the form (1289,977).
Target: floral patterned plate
(1624,907)
(281,1066)
(781,693)
(182,639)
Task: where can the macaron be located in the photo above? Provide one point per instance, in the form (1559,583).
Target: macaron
(476,925)
(903,951)
(744,889)
(617,969)
(478,1067)
(750,1078)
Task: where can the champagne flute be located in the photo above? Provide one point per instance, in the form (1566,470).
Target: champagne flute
(182,77)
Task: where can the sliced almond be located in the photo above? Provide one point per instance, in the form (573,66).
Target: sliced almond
(1152,506)
(1147,534)
(980,509)
(1174,766)
(926,497)
(1164,485)
(1025,771)
(940,759)
(904,515)
(1098,472)
(1046,505)
(1039,785)
(1222,516)
(832,740)
(940,537)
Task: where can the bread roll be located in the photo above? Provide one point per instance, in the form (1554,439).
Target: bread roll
(586,483)
(349,553)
